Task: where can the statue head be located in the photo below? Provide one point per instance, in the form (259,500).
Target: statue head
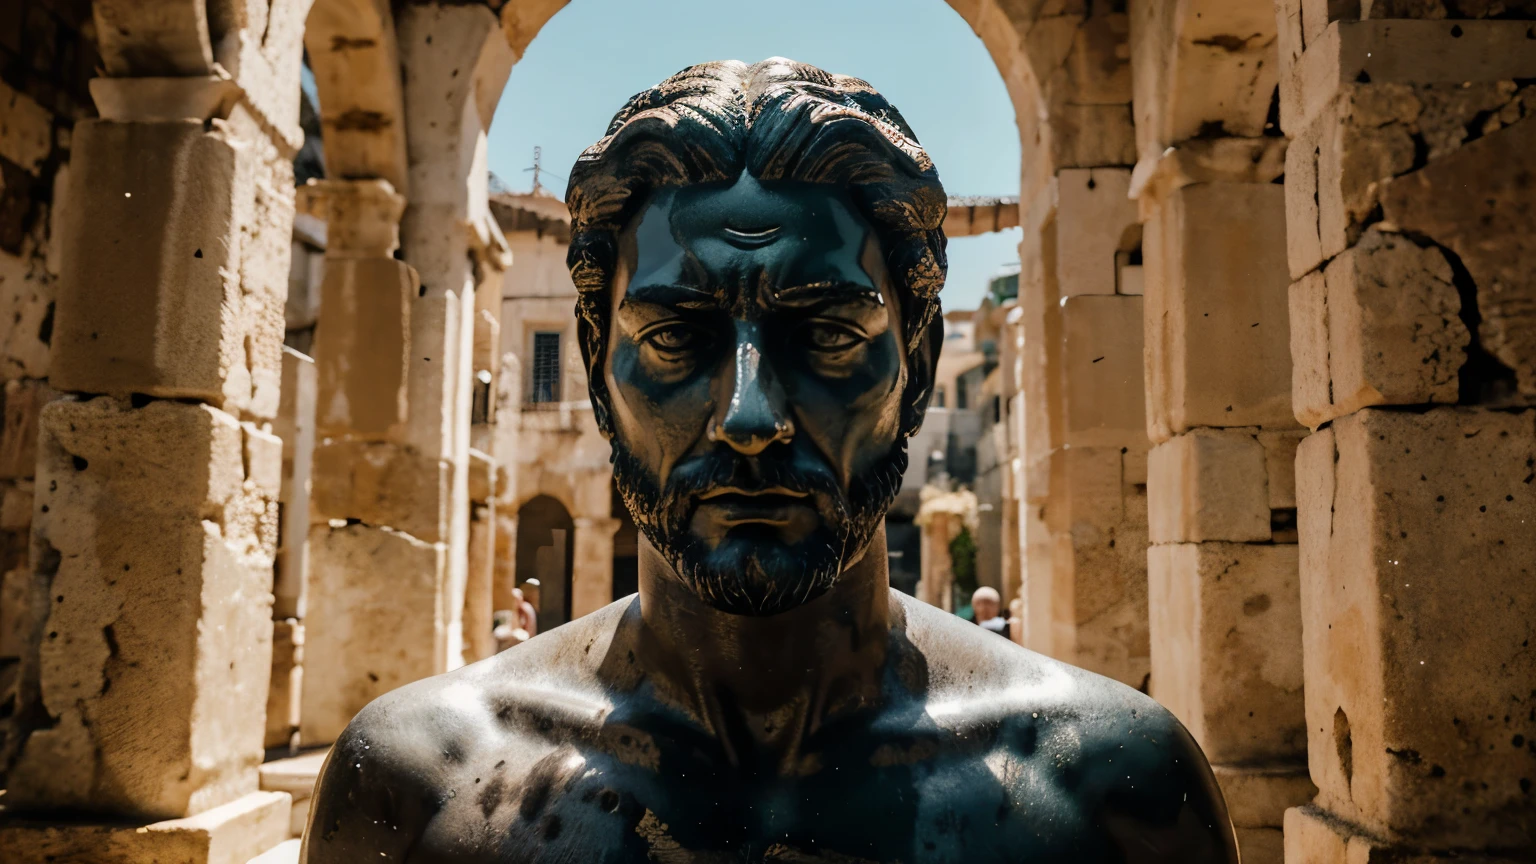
(758,255)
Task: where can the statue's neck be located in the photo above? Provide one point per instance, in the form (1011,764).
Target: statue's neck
(775,678)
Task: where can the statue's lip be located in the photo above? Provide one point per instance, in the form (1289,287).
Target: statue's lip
(753,493)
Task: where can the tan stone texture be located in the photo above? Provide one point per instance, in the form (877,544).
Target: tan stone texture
(375,621)
(158,548)
(1102,383)
(479,592)
(1416,567)
(1280,466)
(295,425)
(1339,166)
(1257,797)
(1093,213)
(196,310)
(24,401)
(1382,326)
(287,683)
(1399,52)
(1315,836)
(1217,332)
(363,348)
(381,484)
(1209,484)
(1226,647)
(1477,202)
(233,833)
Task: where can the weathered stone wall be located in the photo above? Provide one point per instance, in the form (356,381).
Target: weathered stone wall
(47,56)
(1222,567)
(1408,197)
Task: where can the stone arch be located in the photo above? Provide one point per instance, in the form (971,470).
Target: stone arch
(545,549)
(353,52)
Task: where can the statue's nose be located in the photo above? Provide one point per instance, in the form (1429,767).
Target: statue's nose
(757,414)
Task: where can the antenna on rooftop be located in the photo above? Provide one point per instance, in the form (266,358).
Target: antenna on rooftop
(538,156)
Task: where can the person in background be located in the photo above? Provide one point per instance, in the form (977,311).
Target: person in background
(988,606)
(527,615)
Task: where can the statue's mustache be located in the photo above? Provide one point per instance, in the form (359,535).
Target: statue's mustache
(689,481)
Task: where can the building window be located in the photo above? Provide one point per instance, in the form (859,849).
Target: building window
(546,368)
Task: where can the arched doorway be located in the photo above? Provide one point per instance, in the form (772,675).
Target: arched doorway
(545,535)
(626,550)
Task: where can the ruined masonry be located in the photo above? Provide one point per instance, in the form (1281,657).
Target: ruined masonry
(1265,417)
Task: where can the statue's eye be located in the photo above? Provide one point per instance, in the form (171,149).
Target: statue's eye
(674,338)
(825,336)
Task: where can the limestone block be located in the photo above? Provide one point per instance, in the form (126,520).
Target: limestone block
(1394,332)
(1260,845)
(1315,836)
(159,549)
(1414,718)
(1217,332)
(26,130)
(381,484)
(24,400)
(363,347)
(1103,385)
(1339,166)
(1280,466)
(233,833)
(1093,214)
(1226,647)
(1040,359)
(287,684)
(1101,592)
(592,569)
(479,588)
(1476,201)
(295,424)
(295,776)
(1257,797)
(26,307)
(1088,488)
(1399,52)
(1311,393)
(15,612)
(1131,281)
(1209,484)
(482,477)
(375,621)
(16,506)
(189,314)
(1084,136)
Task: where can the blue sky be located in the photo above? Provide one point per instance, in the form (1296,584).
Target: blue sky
(595,54)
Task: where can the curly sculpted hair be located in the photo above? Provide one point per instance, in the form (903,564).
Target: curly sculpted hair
(779,120)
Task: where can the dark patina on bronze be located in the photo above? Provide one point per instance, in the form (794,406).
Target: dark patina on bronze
(759,254)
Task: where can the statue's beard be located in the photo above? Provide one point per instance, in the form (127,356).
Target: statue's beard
(751,571)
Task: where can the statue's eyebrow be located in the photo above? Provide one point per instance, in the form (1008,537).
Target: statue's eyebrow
(671,295)
(831,291)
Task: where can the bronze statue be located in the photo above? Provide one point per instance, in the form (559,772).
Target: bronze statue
(759,254)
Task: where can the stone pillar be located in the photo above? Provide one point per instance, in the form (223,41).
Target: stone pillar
(1408,195)
(479,587)
(155,523)
(295,424)
(455,60)
(1222,569)
(1083,515)
(379,507)
(592,569)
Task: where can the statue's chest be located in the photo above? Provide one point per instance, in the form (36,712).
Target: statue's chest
(957,809)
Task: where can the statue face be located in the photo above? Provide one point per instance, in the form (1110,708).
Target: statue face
(755,367)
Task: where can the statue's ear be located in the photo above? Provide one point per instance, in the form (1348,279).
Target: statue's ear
(594,343)
(922,362)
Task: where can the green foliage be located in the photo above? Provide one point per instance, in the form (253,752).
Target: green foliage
(962,562)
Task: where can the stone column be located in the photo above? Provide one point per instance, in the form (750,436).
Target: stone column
(379,507)
(455,60)
(479,587)
(1223,593)
(592,569)
(1083,502)
(295,424)
(1408,198)
(158,477)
